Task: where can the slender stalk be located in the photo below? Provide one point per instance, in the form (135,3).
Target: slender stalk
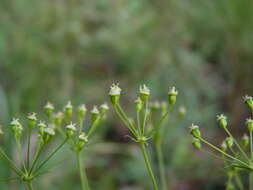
(161,165)
(50,156)
(238,181)
(148,165)
(237,144)
(219,150)
(251,151)
(20,153)
(30,186)
(28,147)
(138,121)
(82,173)
(144,119)
(37,155)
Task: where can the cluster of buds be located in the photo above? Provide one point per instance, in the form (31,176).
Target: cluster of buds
(230,150)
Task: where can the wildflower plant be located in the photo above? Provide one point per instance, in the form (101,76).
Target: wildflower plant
(147,126)
(237,156)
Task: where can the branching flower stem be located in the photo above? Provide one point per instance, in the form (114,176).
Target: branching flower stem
(83,176)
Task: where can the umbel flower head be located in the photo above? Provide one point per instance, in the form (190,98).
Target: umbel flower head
(195,132)
(248,101)
(114,93)
(49,108)
(222,120)
(249,123)
(172,95)
(144,93)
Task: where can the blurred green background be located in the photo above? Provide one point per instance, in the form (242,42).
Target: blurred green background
(60,50)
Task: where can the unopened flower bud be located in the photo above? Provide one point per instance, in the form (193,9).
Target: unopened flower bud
(82,140)
(229,141)
(68,110)
(138,104)
(172,95)
(224,146)
(196,143)
(222,120)
(114,93)
(195,132)
(245,140)
(94,114)
(48,134)
(249,123)
(248,101)
(82,111)
(49,109)
(70,129)
(32,119)
(42,126)
(16,128)
(104,108)
(144,93)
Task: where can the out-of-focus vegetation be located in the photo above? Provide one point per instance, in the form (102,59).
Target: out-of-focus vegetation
(61,50)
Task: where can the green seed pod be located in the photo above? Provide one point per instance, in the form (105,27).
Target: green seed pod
(114,93)
(32,119)
(249,123)
(104,108)
(172,95)
(144,93)
(229,141)
(68,110)
(70,130)
(16,128)
(57,118)
(245,140)
(49,109)
(222,120)
(138,104)
(94,114)
(248,100)
(195,132)
(196,143)
(82,140)
(81,111)
(224,146)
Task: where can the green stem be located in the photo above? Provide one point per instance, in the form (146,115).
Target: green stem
(144,119)
(138,121)
(251,151)
(161,165)
(28,147)
(148,165)
(51,155)
(219,150)
(251,181)
(37,155)
(20,153)
(30,186)
(82,173)
(238,181)
(237,144)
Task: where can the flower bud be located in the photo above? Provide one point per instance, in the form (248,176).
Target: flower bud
(42,126)
(144,93)
(68,110)
(249,123)
(224,146)
(104,108)
(195,132)
(222,120)
(81,111)
(48,134)
(229,142)
(248,100)
(138,104)
(82,140)
(172,95)
(114,93)
(49,109)
(70,129)
(32,119)
(57,118)
(196,143)
(245,140)
(16,128)
(94,114)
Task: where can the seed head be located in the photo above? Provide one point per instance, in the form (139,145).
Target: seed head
(114,93)
(138,104)
(196,143)
(104,108)
(195,132)
(172,95)
(222,120)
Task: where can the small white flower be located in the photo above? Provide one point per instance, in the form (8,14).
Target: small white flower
(15,122)
(115,90)
(58,115)
(220,117)
(49,131)
(104,106)
(94,110)
(247,97)
(83,137)
(193,127)
(42,124)
(68,105)
(82,108)
(144,90)
(49,106)
(71,126)
(32,116)
(173,91)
